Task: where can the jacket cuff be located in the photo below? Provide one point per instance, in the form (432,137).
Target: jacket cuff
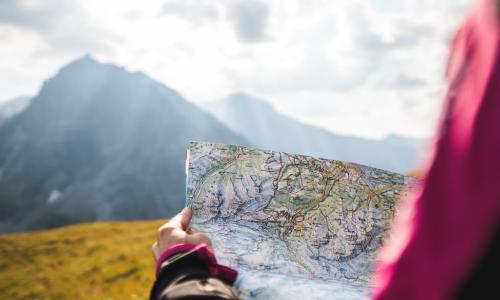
(204,254)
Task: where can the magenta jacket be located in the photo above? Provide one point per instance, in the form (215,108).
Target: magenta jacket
(437,241)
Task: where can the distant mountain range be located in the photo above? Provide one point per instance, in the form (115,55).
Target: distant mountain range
(263,126)
(101,143)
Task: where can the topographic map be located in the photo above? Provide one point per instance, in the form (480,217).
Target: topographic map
(295,227)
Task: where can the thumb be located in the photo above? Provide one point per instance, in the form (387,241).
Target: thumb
(182,219)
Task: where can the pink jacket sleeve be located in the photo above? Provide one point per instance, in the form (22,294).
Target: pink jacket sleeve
(437,241)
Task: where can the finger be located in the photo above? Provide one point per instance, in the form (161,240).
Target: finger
(191,230)
(198,239)
(155,251)
(182,219)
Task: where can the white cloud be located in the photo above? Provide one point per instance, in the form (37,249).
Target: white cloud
(62,25)
(369,68)
(193,10)
(250,19)
(37,15)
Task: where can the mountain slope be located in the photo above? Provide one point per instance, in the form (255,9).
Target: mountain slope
(12,107)
(257,120)
(98,143)
(86,261)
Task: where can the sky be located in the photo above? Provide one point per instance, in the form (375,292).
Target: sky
(369,68)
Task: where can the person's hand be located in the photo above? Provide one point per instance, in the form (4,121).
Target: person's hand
(176,231)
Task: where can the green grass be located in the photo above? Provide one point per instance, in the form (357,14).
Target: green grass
(87,261)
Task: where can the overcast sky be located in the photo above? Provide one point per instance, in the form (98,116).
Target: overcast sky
(367,68)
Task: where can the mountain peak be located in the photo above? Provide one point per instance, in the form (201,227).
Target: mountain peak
(243,96)
(243,99)
(239,95)
(89,65)
(86,59)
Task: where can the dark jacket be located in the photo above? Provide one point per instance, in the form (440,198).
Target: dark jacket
(186,276)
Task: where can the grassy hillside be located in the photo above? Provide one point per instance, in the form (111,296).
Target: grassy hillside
(87,261)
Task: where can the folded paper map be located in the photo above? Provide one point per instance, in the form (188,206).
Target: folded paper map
(294,226)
